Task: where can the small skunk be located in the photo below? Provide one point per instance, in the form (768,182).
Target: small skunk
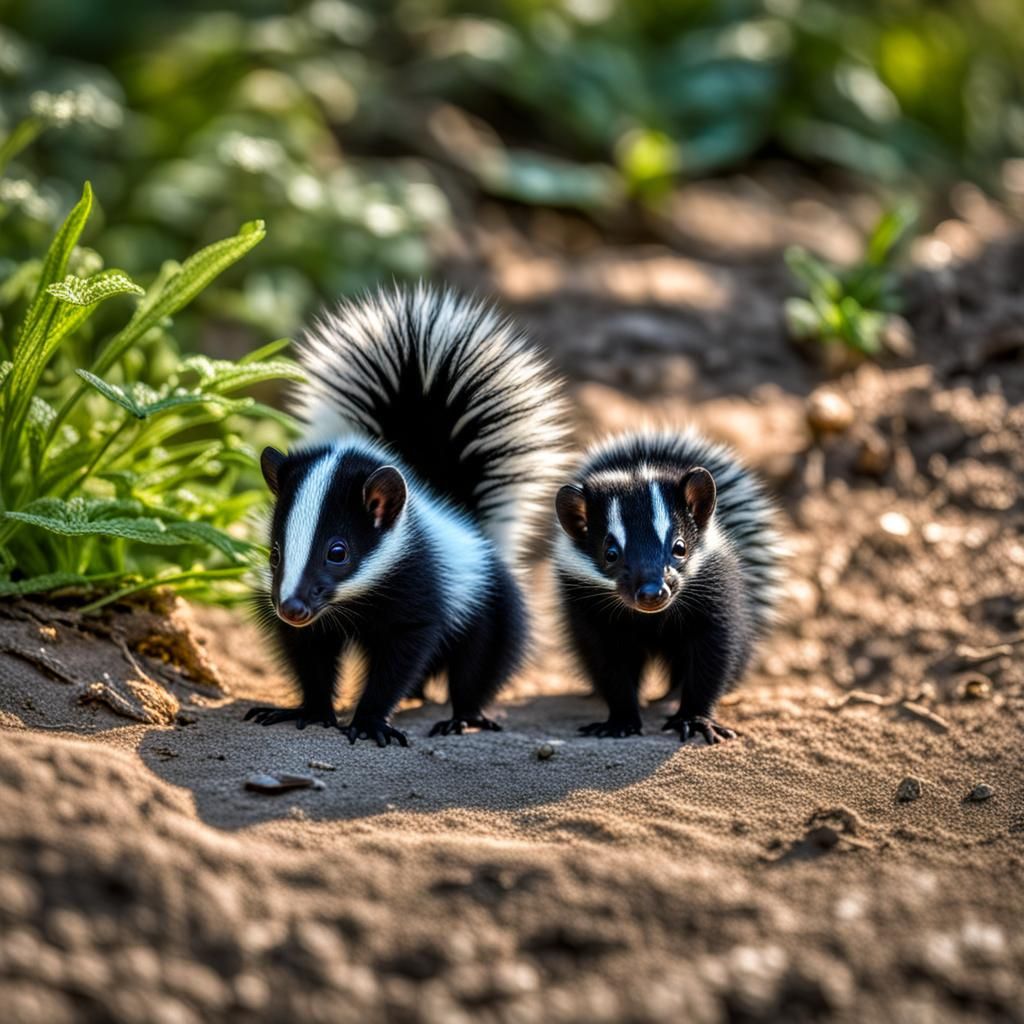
(669,552)
(435,438)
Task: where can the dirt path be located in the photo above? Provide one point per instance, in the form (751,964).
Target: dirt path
(777,877)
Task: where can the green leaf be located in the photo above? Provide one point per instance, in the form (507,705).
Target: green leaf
(24,134)
(177,290)
(890,233)
(257,355)
(53,581)
(221,376)
(55,264)
(83,517)
(86,291)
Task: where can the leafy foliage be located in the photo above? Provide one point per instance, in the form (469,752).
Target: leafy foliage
(355,125)
(108,480)
(851,306)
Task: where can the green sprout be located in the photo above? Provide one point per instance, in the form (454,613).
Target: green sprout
(851,307)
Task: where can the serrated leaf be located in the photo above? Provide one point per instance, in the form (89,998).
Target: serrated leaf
(181,288)
(52,581)
(87,291)
(127,520)
(222,376)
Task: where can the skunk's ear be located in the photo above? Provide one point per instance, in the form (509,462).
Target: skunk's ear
(384,495)
(571,507)
(271,462)
(699,493)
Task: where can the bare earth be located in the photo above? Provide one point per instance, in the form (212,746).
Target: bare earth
(535,876)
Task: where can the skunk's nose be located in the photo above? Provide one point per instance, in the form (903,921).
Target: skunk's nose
(652,597)
(295,611)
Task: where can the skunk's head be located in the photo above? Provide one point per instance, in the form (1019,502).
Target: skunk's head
(642,538)
(337,527)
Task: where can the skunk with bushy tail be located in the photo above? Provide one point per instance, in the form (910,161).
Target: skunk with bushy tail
(435,436)
(670,552)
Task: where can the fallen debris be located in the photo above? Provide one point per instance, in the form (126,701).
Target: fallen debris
(909,789)
(925,714)
(982,791)
(280,782)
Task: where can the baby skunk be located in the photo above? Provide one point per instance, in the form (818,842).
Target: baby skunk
(434,439)
(669,552)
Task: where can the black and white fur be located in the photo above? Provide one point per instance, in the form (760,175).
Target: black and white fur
(434,435)
(668,552)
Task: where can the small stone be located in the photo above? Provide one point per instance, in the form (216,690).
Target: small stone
(909,789)
(280,782)
(875,455)
(896,524)
(828,412)
(187,718)
(982,791)
(323,766)
(975,687)
(545,752)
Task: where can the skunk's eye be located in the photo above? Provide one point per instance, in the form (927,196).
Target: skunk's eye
(611,554)
(679,548)
(275,557)
(337,552)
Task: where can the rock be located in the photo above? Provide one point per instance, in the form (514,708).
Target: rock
(828,412)
(909,789)
(982,791)
(545,752)
(874,456)
(896,524)
(322,766)
(975,686)
(280,782)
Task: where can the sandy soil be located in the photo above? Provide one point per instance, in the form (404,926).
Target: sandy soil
(536,876)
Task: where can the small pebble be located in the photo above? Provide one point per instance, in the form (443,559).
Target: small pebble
(982,791)
(909,789)
(828,412)
(975,687)
(281,782)
(322,766)
(896,524)
(545,752)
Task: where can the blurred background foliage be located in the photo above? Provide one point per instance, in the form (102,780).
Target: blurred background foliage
(358,130)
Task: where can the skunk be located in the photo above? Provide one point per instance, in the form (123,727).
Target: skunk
(668,551)
(434,438)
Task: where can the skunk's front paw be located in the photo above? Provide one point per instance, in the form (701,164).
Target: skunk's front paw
(699,725)
(301,716)
(614,728)
(376,729)
(458,724)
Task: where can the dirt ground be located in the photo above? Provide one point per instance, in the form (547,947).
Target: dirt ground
(792,874)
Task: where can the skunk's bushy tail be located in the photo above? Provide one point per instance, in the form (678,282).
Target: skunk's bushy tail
(454,389)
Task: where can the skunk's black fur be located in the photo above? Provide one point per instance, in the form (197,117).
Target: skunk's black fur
(669,552)
(433,434)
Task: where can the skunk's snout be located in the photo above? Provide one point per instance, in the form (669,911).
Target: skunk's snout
(295,612)
(652,597)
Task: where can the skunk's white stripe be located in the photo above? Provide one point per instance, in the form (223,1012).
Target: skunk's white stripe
(303,517)
(661,520)
(461,554)
(374,569)
(577,566)
(615,525)
(458,550)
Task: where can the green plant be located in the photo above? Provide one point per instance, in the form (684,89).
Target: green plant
(134,471)
(851,306)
